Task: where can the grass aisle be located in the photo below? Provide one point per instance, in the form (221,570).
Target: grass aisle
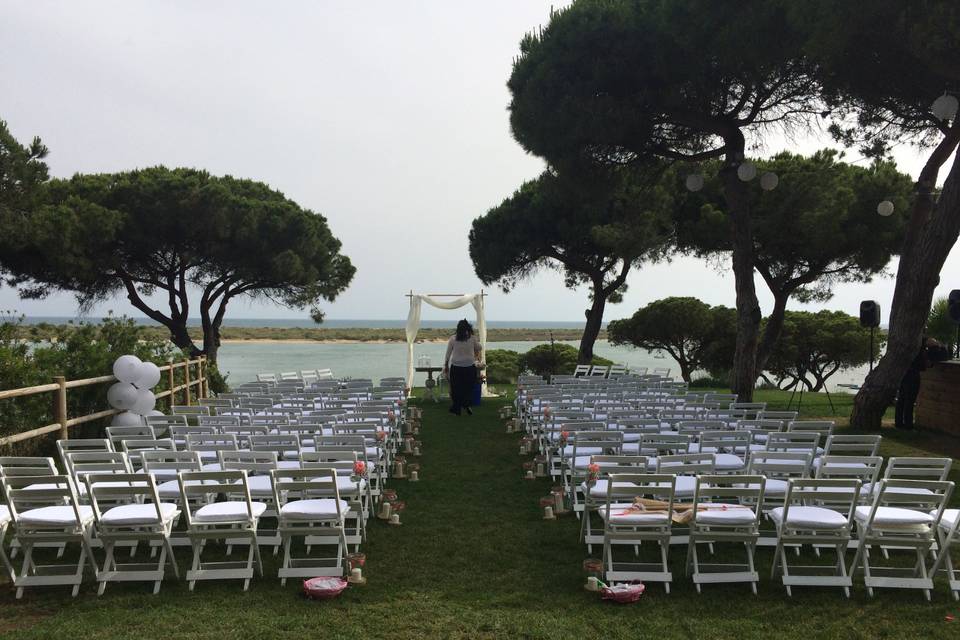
(473,559)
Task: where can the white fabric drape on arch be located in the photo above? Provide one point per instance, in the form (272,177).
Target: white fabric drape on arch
(413,322)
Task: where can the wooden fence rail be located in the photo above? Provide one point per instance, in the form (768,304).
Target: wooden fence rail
(62,422)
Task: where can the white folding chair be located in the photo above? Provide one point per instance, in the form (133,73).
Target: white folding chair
(355,490)
(625,523)
(236,518)
(910,468)
(310,507)
(595,491)
(730,448)
(63,520)
(5,519)
(905,515)
(801,520)
(143,517)
(721,514)
(117,435)
(948,538)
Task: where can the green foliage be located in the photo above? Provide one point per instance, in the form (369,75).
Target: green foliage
(817,345)
(503,366)
(549,359)
(818,228)
(165,230)
(76,351)
(695,334)
(22,174)
(939,323)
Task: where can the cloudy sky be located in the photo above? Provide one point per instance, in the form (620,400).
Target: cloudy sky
(388,117)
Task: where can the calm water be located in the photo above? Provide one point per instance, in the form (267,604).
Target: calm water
(307,323)
(244,361)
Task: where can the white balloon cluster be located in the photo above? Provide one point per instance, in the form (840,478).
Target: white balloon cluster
(131,393)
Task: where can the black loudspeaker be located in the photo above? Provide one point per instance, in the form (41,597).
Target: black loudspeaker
(869,313)
(953,305)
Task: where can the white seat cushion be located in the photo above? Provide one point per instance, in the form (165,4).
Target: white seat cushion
(725,514)
(840,466)
(809,518)
(947,522)
(259,485)
(312,508)
(870,489)
(892,516)
(171,489)
(624,514)
(4,515)
(139,514)
(685,485)
(227,512)
(772,487)
(567,451)
(56,516)
(288,464)
(213,466)
(728,462)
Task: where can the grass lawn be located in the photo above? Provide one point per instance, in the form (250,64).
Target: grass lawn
(474,559)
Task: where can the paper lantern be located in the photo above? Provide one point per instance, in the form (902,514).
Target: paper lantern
(885,208)
(145,403)
(747,171)
(148,376)
(694,182)
(945,107)
(126,419)
(155,412)
(122,395)
(769,181)
(127,368)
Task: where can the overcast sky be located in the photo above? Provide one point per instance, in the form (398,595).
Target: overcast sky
(388,117)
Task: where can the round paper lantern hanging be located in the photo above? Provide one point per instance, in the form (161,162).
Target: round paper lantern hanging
(122,395)
(945,107)
(694,182)
(747,171)
(127,368)
(885,208)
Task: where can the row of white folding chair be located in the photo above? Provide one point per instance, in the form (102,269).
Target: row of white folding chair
(127,507)
(820,512)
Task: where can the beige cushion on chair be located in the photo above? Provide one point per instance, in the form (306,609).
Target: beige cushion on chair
(896,516)
(56,515)
(312,508)
(809,518)
(227,512)
(136,514)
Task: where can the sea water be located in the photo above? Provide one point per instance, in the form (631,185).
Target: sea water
(243,361)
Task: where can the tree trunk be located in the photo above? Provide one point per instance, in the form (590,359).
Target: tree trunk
(772,331)
(931,234)
(744,374)
(592,328)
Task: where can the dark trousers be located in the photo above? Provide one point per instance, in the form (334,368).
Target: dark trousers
(906,399)
(462,382)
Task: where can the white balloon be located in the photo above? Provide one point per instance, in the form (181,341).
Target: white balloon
(126,368)
(885,208)
(145,403)
(694,182)
(747,171)
(155,412)
(148,376)
(769,181)
(126,419)
(122,395)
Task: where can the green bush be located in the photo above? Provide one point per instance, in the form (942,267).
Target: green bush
(77,351)
(549,359)
(503,366)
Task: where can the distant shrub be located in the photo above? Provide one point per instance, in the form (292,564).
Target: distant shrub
(550,359)
(503,366)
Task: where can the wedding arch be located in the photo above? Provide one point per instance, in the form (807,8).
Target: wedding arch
(434,300)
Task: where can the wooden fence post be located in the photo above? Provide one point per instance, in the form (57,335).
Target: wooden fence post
(171,381)
(186,382)
(202,393)
(60,406)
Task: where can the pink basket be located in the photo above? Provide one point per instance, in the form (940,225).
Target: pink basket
(323,588)
(623,592)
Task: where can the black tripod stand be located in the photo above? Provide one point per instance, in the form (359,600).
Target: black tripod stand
(800,383)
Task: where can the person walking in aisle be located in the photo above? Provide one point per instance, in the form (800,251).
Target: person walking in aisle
(460,367)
